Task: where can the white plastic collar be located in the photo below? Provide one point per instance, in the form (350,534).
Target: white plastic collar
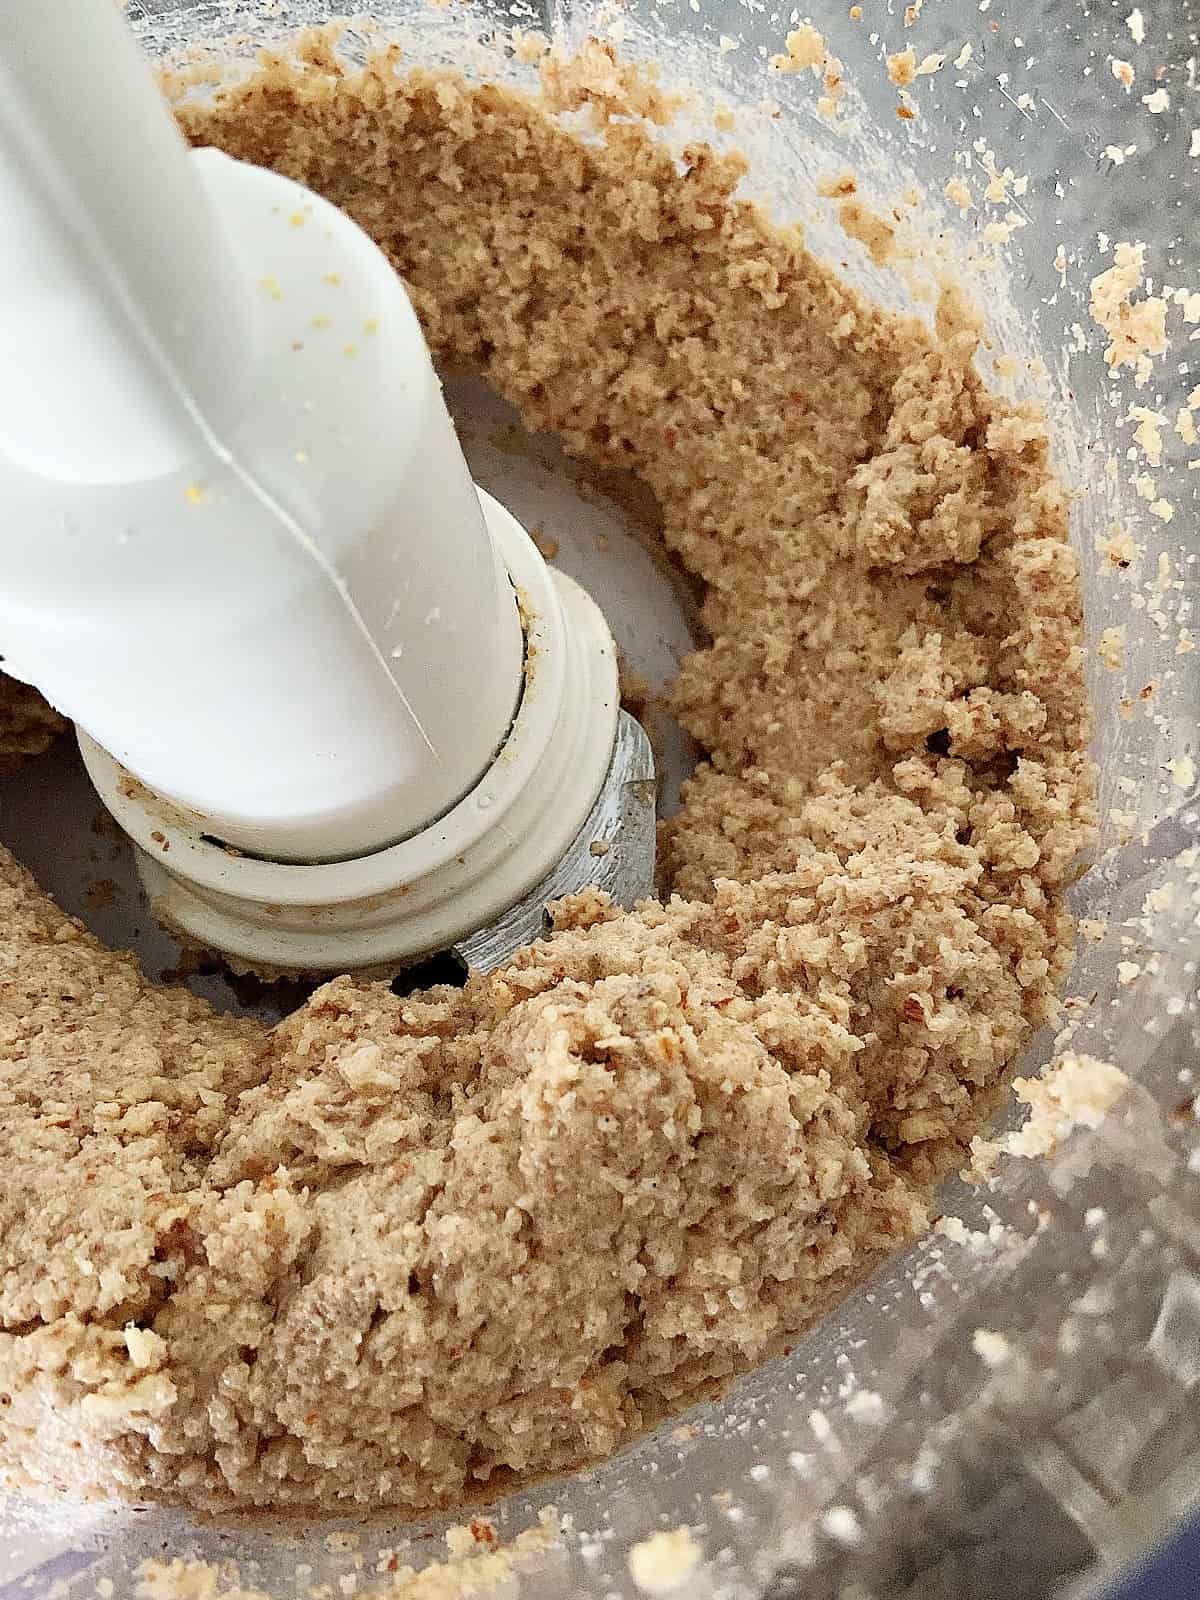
(396,905)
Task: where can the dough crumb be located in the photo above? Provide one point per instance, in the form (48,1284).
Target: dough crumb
(902,67)
(1136,329)
(842,1525)
(1148,435)
(876,236)
(839,187)
(28,726)
(957,192)
(1074,1091)
(1111,647)
(805,50)
(993,1349)
(665,1561)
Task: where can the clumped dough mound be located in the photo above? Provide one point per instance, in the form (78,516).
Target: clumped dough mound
(28,726)
(401,1251)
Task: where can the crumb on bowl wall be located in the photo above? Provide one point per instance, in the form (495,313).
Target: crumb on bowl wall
(665,1562)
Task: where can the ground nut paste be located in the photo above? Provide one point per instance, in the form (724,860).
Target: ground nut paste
(402,1251)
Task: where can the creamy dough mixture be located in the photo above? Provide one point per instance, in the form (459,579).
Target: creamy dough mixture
(403,1251)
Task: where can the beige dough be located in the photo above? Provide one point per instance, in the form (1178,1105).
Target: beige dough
(403,1252)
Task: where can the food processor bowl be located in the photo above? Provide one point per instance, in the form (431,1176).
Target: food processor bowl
(1012,1405)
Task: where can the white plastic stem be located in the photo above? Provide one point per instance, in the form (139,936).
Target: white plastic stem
(121,303)
(241,547)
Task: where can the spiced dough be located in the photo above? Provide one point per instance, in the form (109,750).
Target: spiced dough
(402,1251)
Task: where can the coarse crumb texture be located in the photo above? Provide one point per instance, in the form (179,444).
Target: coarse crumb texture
(406,1251)
(27,724)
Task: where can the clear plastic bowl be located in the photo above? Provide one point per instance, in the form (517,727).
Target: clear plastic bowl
(950,1477)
